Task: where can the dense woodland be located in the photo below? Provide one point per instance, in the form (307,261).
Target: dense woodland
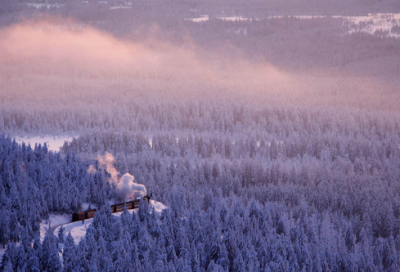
(275,143)
(279,189)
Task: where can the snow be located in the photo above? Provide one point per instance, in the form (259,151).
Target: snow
(369,23)
(234,18)
(120,7)
(78,230)
(2,251)
(373,22)
(202,18)
(55,220)
(85,206)
(54,143)
(45,5)
(158,206)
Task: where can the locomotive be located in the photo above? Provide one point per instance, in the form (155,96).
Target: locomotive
(133,204)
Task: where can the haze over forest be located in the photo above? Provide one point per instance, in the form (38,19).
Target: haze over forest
(266,132)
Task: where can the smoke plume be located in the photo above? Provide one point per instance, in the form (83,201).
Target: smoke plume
(107,162)
(129,188)
(125,186)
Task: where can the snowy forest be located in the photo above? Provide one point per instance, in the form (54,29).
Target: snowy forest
(270,189)
(274,142)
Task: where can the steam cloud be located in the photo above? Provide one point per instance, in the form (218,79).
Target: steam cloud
(126,184)
(107,161)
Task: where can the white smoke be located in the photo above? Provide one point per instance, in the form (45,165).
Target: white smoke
(91,170)
(129,188)
(107,161)
(126,186)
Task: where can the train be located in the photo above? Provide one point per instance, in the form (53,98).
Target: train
(133,204)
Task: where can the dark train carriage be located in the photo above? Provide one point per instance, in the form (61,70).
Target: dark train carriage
(129,205)
(78,216)
(134,204)
(119,207)
(90,214)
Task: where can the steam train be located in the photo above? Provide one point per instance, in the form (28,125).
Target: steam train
(134,204)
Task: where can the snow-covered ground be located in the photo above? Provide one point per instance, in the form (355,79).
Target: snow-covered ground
(158,206)
(372,23)
(78,230)
(54,143)
(369,23)
(54,220)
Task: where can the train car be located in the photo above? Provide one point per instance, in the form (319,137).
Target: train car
(129,205)
(78,216)
(134,204)
(119,207)
(90,213)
